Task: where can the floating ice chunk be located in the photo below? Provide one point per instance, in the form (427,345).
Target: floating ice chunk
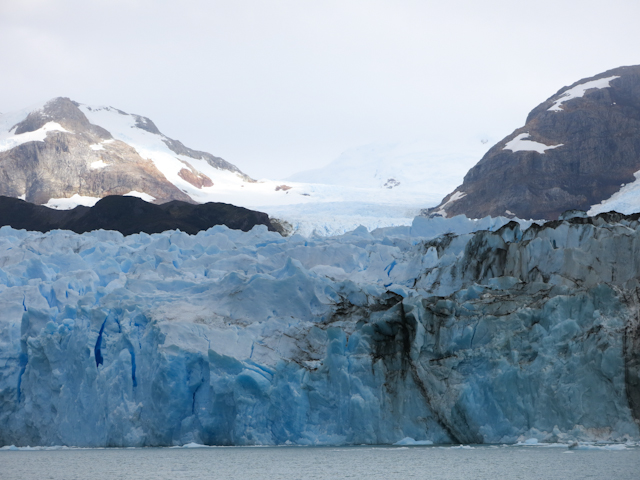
(522,144)
(589,446)
(411,441)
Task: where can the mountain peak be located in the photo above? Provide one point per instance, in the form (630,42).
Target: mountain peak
(63,111)
(577,149)
(65,150)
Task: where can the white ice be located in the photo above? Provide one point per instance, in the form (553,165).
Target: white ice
(626,200)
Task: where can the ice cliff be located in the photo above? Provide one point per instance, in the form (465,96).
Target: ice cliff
(450,330)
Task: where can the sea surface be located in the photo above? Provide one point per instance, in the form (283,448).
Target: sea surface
(365,462)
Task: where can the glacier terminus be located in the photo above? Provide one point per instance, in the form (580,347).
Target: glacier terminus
(449,331)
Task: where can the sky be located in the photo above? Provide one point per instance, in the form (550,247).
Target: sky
(282,86)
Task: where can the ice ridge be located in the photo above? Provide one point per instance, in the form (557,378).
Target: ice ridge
(448,331)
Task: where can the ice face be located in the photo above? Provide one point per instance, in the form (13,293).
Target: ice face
(227,337)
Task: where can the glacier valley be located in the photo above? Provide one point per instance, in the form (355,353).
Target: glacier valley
(448,331)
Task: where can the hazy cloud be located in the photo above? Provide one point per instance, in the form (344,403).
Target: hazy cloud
(282,86)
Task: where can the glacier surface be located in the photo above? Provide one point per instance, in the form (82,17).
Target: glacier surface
(445,331)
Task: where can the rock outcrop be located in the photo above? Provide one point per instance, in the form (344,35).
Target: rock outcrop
(129,215)
(576,149)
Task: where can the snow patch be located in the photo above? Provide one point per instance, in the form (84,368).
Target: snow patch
(98,164)
(579,91)
(10,140)
(72,202)
(144,196)
(455,197)
(96,146)
(522,144)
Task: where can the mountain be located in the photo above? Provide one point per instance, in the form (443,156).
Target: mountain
(63,153)
(579,149)
(233,338)
(129,215)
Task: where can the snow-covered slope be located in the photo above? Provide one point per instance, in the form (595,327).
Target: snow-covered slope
(62,153)
(626,200)
(251,338)
(398,173)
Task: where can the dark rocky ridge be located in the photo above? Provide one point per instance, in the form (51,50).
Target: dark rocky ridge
(600,133)
(129,215)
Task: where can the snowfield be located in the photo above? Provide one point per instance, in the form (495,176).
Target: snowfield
(428,332)
(579,91)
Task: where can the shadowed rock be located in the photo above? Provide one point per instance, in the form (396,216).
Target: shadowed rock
(129,215)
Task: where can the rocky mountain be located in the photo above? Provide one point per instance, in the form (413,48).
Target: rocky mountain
(62,150)
(579,149)
(129,215)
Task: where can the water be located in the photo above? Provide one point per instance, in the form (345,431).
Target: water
(429,463)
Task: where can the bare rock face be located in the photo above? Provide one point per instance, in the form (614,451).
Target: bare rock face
(576,149)
(78,157)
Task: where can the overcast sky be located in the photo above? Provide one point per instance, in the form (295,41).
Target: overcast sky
(277,87)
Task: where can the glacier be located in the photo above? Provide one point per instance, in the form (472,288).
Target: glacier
(445,331)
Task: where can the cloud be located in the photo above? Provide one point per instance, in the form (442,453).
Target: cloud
(282,86)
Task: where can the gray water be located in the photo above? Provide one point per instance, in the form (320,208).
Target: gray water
(430,463)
